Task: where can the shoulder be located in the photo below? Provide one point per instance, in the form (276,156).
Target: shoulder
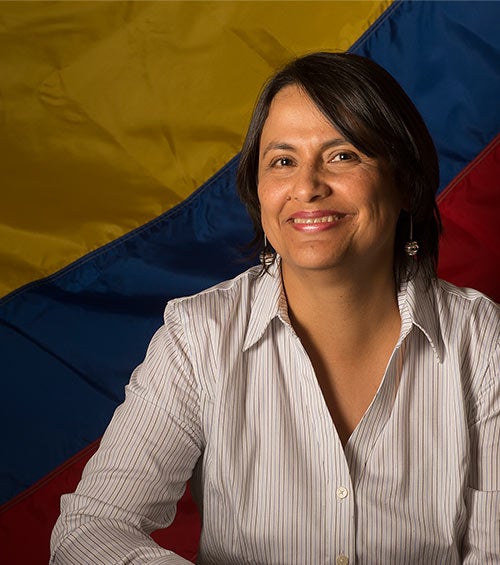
(210,327)
(467,317)
(227,297)
(466,305)
(217,317)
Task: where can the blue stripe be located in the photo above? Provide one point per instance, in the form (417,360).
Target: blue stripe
(446,55)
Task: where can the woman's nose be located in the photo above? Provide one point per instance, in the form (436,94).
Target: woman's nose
(310,184)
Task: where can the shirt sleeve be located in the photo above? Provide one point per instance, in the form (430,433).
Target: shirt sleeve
(482,541)
(132,484)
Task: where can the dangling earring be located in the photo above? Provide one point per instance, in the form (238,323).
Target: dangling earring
(266,256)
(411,246)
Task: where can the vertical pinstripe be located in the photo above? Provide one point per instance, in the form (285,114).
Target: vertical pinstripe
(227,395)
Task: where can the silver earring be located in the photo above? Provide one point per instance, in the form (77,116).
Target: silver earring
(266,256)
(411,246)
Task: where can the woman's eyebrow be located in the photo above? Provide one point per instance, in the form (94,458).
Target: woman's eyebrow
(282,146)
(276,145)
(336,142)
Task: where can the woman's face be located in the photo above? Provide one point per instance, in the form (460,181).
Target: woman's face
(324,204)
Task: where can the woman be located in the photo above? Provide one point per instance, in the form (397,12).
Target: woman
(336,405)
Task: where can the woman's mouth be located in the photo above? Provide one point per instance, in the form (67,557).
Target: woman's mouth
(315,221)
(319,220)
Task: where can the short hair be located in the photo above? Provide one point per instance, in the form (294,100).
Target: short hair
(373,112)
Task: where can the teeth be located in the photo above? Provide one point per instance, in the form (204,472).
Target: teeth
(322,220)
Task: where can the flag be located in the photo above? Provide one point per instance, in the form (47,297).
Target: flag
(121,124)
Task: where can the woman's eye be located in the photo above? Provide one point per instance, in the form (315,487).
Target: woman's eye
(344,156)
(282,162)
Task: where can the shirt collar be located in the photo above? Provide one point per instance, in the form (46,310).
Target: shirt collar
(268,302)
(417,306)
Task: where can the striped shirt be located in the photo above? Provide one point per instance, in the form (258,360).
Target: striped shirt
(227,396)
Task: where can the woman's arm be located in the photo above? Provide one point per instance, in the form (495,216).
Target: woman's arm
(482,541)
(132,484)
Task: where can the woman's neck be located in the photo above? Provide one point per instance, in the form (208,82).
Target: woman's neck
(350,307)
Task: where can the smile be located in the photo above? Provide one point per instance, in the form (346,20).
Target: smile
(320,220)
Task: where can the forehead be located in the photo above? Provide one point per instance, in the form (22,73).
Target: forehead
(292,111)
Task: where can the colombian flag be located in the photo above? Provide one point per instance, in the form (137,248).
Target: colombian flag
(120,126)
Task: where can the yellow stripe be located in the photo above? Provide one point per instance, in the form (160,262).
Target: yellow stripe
(113,112)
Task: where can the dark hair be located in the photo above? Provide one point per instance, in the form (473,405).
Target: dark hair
(371,110)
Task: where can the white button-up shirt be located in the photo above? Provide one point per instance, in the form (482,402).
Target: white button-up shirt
(227,396)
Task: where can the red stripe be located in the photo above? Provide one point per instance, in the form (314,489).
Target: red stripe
(27,520)
(470,256)
(470,209)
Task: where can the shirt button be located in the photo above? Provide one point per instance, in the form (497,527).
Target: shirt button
(342,560)
(342,493)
